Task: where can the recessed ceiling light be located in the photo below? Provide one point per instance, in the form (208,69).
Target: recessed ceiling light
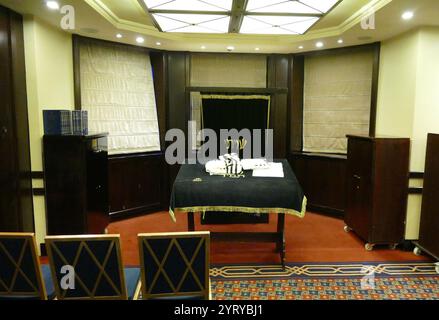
(140,40)
(158,43)
(319,44)
(230,48)
(340,41)
(119,35)
(407,15)
(300,47)
(203,47)
(52,5)
(257,49)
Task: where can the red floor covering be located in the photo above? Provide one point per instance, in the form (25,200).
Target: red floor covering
(315,238)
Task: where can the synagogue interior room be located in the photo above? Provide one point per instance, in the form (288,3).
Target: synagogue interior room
(219,150)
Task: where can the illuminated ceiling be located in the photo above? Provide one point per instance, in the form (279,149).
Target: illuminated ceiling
(125,21)
(283,17)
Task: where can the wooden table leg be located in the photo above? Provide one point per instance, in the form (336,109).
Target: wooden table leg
(190,221)
(280,247)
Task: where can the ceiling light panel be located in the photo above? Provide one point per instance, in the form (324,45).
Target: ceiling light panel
(321,5)
(258,4)
(276,24)
(192,23)
(189,5)
(280,7)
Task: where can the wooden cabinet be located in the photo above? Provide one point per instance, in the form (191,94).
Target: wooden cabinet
(137,183)
(76,184)
(377,187)
(429,228)
(322,178)
(16,205)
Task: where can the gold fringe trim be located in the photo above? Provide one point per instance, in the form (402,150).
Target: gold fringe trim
(204,209)
(234,97)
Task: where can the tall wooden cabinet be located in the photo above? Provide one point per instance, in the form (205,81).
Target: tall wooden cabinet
(76,184)
(429,228)
(377,188)
(16,205)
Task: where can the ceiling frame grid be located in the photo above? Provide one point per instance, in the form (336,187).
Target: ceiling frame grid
(275,17)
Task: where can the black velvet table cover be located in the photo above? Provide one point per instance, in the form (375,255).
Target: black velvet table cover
(195,190)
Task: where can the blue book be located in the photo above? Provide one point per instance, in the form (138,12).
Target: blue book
(57,122)
(80,122)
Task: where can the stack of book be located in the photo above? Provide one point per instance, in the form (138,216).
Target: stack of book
(65,122)
(80,122)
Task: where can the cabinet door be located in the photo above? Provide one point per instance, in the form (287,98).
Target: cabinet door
(97,185)
(65,185)
(359,186)
(135,183)
(149,182)
(429,231)
(117,171)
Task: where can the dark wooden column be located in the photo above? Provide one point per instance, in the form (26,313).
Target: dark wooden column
(16,206)
(277,77)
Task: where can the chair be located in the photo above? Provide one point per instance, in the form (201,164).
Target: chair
(21,276)
(96,264)
(175,265)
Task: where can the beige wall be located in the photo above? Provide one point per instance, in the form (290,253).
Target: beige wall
(408,100)
(49,80)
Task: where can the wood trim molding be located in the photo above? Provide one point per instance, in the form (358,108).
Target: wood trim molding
(37,175)
(416,175)
(155,154)
(415,190)
(374,91)
(77,71)
(39,191)
(320,155)
(326,210)
(133,212)
(237,90)
(295,110)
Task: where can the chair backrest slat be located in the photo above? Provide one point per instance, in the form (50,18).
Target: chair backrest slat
(20,271)
(96,264)
(175,264)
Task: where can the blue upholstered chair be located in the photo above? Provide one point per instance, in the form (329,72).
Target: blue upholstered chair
(21,276)
(96,264)
(175,265)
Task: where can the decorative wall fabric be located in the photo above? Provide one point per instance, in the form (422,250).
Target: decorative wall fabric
(337,99)
(228,70)
(117,90)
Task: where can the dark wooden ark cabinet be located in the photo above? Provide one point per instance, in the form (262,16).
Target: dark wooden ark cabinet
(76,184)
(429,228)
(377,187)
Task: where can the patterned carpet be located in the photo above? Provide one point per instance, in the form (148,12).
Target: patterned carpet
(335,281)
